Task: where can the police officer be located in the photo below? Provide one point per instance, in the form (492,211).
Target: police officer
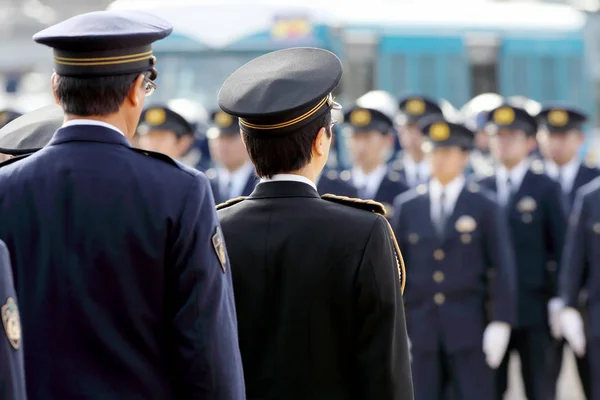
(536,212)
(439,226)
(370,143)
(234,175)
(12,374)
(561,138)
(580,269)
(411,161)
(317,280)
(165,131)
(118,256)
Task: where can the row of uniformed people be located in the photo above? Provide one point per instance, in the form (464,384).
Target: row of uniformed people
(454,231)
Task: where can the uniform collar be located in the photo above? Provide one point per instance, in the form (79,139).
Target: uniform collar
(83,121)
(283,188)
(516,174)
(289,178)
(88,133)
(569,172)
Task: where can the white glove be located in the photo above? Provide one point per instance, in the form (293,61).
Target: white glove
(495,342)
(572,327)
(555,307)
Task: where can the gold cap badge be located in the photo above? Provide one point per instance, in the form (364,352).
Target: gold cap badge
(223,120)
(360,117)
(156,116)
(465,224)
(504,116)
(558,117)
(439,131)
(415,106)
(12,323)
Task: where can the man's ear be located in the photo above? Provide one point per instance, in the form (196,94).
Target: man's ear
(53,81)
(135,92)
(321,142)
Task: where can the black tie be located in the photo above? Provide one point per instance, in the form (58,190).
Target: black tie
(560,177)
(511,191)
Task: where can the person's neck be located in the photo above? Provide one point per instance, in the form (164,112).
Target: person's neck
(562,163)
(234,168)
(367,169)
(510,165)
(445,180)
(307,172)
(417,156)
(112,119)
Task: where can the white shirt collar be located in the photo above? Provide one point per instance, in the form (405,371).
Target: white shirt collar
(368,182)
(289,177)
(83,121)
(411,167)
(451,190)
(516,174)
(237,179)
(569,172)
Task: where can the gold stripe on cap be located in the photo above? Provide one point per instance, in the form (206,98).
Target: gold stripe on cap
(69,59)
(93,64)
(288,123)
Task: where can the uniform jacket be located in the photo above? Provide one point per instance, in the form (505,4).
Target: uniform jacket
(448,276)
(121,272)
(318,296)
(537,222)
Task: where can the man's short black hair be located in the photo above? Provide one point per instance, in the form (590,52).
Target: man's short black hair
(99,96)
(286,153)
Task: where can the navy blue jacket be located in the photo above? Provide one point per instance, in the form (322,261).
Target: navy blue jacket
(537,222)
(581,258)
(121,271)
(447,284)
(12,373)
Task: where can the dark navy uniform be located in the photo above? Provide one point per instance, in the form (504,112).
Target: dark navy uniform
(119,262)
(225,125)
(331,182)
(318,281)
(536,215)
(448,269)
(581,270)
(12,373)
(559,120)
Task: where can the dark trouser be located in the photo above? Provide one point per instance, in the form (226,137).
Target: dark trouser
(583,367)
(470,377)
(534,347)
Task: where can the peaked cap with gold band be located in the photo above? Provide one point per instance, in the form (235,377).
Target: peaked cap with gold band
(164,119)
(368,119)
(560,119)
(223,124)
(282,91)
(442,133)
(104,43)
(511,117)
(415,107)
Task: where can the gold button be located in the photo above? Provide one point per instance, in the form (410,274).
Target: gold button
(439,298)
(438,276)
(439,254)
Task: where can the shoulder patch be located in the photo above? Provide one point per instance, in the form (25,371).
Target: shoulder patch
(367,205)
(159,156)
(231,202)
(14,159)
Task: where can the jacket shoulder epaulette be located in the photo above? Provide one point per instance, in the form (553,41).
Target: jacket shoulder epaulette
(231,202)
(367,205)
(14,159)
(159,156)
